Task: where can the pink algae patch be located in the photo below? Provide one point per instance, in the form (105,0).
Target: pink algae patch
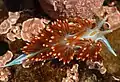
(32,27)
(4,72)
(6,58)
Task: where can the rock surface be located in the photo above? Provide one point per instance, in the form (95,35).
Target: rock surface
(55,72)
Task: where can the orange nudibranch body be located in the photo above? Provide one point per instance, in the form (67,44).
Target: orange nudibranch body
(67,39)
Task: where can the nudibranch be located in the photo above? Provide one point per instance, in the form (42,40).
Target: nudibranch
(67,39)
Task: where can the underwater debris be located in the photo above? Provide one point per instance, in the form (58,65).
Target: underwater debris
(70,8)
(96,65)
(32,27)
(72,74)
(116,78)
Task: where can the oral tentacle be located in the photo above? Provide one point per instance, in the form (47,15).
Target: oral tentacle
(107,44)
(17,61)
(106,32)
(101,23)
(21,58)
(35,53)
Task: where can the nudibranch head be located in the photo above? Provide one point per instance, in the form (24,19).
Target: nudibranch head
(65,40)
(97,35)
